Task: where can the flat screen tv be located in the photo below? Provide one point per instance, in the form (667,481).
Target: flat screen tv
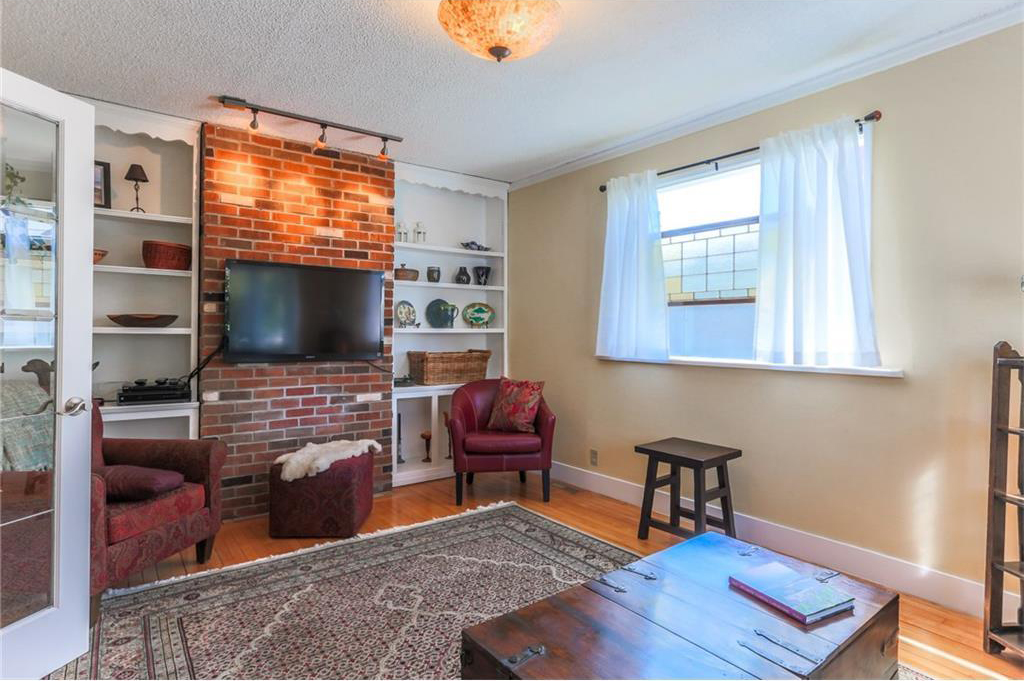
(295,313)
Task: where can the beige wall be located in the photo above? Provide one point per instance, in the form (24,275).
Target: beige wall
(894,465)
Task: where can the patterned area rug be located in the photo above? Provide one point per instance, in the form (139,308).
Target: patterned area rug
(389,605)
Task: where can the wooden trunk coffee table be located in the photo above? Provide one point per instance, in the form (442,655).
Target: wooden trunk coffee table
(674,615)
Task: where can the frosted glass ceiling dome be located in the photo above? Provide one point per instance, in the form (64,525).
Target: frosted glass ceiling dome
(503,30)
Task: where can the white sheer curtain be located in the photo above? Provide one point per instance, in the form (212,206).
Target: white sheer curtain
(814,301)
(633,319)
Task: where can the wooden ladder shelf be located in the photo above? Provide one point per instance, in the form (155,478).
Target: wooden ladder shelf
(1007,367)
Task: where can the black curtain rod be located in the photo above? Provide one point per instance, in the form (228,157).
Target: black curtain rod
(875,115)
(238,103)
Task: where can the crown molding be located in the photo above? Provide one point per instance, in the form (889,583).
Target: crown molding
(976,28)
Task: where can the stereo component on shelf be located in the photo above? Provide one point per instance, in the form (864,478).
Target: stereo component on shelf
(160,390)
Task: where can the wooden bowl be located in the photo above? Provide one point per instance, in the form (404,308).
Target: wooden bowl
(404,273)
(98,254)
(166,255)
(143,320)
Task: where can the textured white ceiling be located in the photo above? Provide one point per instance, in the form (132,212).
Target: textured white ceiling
(618,67)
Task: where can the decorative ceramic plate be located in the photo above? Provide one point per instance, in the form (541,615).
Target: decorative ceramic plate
(441,313)
(405,313)
(478,315)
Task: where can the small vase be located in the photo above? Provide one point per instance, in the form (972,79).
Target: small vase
(462,276)
(482,274)
(434,274)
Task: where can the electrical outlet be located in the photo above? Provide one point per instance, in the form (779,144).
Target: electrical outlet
(593,457)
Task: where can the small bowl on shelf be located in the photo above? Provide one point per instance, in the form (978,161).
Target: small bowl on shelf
(166,255)
(98,254)
(143,320)
(404,273)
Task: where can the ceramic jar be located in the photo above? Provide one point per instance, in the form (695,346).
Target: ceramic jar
(482,274)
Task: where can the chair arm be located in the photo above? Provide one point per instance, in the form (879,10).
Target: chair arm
(200,461)
(545,427)
(457,436)
(97,535)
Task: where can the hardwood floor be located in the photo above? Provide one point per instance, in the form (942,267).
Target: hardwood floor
(936,641)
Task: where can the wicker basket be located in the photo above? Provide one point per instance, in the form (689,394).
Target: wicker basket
(441,368)
(166,255)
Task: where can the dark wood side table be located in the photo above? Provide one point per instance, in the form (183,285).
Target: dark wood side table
(698,457)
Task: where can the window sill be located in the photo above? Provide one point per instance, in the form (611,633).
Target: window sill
(881,372)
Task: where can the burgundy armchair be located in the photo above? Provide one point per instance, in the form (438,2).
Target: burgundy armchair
(475,449)
(130,536)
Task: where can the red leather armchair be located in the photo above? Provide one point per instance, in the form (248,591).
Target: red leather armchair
(130,536)
(475,449)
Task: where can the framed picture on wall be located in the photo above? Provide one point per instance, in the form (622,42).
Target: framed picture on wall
(101,184)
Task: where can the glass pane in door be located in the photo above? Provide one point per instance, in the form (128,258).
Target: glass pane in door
(28,247)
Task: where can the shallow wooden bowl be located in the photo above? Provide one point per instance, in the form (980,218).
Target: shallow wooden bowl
(143,320)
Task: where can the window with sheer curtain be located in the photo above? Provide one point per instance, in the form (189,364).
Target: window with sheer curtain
(710,237)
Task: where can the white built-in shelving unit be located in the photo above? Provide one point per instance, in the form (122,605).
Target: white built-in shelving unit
(453,208)
(168,149)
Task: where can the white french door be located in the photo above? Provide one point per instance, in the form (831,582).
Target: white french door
(46,209)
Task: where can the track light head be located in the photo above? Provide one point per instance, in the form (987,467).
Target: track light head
(321,141)
(254,123)
(383,155)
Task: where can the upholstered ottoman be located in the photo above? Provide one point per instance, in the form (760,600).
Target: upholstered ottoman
(333,503)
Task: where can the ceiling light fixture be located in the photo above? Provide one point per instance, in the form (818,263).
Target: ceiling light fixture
(503,30)
(240,104)
(383,155)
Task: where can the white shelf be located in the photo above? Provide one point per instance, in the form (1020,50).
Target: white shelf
(137,412)
(446,331)
(120,269)
(414,476)
(141,330)
(142,217)
(415,391)
(441,284)
(447,249)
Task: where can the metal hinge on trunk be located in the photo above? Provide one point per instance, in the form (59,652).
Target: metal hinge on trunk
(531,651)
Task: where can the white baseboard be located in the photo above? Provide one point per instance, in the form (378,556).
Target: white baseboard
(939,587)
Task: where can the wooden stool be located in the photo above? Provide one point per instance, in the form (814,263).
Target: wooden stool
(698,457)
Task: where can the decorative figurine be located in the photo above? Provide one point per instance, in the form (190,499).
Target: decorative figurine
(426,443)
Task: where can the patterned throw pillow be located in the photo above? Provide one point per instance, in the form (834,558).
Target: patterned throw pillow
(515,405)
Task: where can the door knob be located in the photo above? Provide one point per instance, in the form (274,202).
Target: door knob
(74,406)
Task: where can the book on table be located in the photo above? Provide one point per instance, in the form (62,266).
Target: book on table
(803,598)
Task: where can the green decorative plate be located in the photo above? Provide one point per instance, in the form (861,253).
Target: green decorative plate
(441,313)
(478,315)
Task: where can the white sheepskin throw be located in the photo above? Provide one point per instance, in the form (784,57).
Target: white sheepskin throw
(314,458)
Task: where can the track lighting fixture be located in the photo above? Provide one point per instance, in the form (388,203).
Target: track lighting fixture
(321,141)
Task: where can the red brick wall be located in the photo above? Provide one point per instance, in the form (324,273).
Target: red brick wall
(266,198)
